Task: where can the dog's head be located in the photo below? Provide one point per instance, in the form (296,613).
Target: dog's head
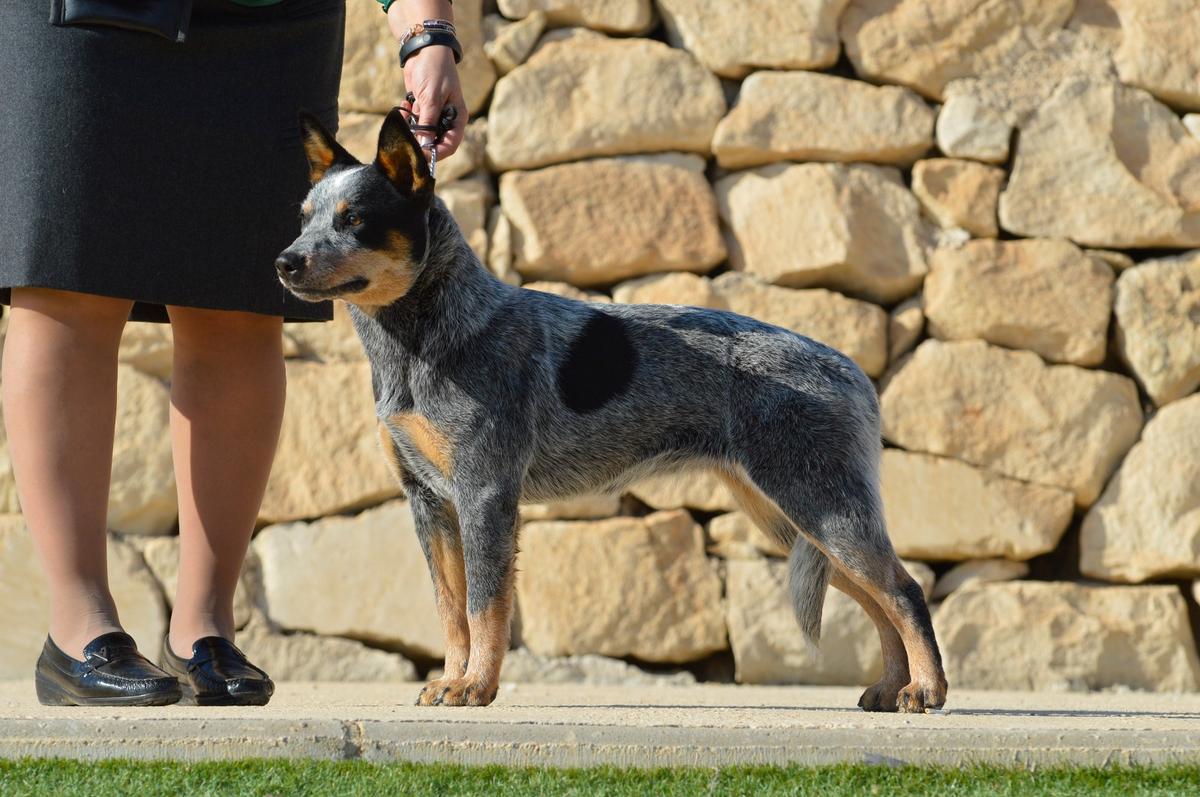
(364,226)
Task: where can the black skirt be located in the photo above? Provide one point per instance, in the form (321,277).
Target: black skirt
(170,174)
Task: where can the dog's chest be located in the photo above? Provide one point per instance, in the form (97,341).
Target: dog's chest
(417,446)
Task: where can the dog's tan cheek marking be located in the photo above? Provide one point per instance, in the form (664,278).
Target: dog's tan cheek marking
(399,247)
(306,208)
(450,592)
(390,272)
(398,272)
(427,439)
(382,292)
(341,206)
(388,280)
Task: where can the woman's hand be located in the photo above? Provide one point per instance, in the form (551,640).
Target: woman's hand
(431,74)
(432,77)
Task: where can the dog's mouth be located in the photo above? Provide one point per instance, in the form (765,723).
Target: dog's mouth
(310,294)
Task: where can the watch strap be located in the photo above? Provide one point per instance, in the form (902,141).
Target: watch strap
(430,38)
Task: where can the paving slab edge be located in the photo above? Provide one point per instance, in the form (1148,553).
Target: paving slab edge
(480,743)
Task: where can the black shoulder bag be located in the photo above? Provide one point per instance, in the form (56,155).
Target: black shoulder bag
(166,18)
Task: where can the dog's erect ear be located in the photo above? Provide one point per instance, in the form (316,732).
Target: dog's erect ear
(400,156)
(322,150)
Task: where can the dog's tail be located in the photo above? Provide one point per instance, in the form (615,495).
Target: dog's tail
(808,581)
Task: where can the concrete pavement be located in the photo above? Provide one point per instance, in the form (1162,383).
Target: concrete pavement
(702,725)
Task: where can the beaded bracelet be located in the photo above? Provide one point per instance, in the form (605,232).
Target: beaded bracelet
(428,25)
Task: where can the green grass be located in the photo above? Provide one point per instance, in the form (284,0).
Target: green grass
(285,778)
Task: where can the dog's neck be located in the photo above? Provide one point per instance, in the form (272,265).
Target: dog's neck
(451,301)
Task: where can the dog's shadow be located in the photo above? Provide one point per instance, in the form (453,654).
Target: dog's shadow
(960,712)
(702,707)
(1010,712)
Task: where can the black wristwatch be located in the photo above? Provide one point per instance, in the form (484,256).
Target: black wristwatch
(428,39)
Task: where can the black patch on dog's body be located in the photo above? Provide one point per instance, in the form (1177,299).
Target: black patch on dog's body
(599,364)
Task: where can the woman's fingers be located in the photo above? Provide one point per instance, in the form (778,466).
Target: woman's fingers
(433,103)
(429,110)
(429,100)
(454,136)
(450,143)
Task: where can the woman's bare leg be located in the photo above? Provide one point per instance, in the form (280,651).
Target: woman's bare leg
(227,396)
(60,404)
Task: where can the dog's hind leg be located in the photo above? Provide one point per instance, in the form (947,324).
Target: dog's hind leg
(809,574)
(804,427)
(882,695)
(852,534)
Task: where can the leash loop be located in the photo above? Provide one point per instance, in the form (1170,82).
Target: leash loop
(438,131)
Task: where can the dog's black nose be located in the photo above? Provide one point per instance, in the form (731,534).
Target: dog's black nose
(289,263)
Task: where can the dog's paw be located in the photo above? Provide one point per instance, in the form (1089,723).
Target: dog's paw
(880,697)
(457,692)
(431,690)
(917,698)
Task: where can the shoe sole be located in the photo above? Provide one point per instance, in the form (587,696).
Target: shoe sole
(51,694)
(189,698)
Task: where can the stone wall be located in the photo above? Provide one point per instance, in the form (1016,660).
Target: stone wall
(987,205)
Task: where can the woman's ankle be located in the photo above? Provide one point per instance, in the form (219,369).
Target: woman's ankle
(186,630)
(73,634)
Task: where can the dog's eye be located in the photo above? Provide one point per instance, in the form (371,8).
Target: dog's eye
(353,219)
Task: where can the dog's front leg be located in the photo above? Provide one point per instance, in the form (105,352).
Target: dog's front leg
(438,531)
(488,521)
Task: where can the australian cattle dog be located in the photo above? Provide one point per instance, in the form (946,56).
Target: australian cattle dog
(490,394)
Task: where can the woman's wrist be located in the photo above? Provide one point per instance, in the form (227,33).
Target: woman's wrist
(422,39)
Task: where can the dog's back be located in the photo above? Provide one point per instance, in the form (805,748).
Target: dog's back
(624,390)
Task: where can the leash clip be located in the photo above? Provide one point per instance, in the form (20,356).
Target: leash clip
(438,131)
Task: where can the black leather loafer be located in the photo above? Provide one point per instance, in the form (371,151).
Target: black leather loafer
(217,674)
(112,673)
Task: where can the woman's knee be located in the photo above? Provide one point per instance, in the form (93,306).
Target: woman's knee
(231,335)
(71,309)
